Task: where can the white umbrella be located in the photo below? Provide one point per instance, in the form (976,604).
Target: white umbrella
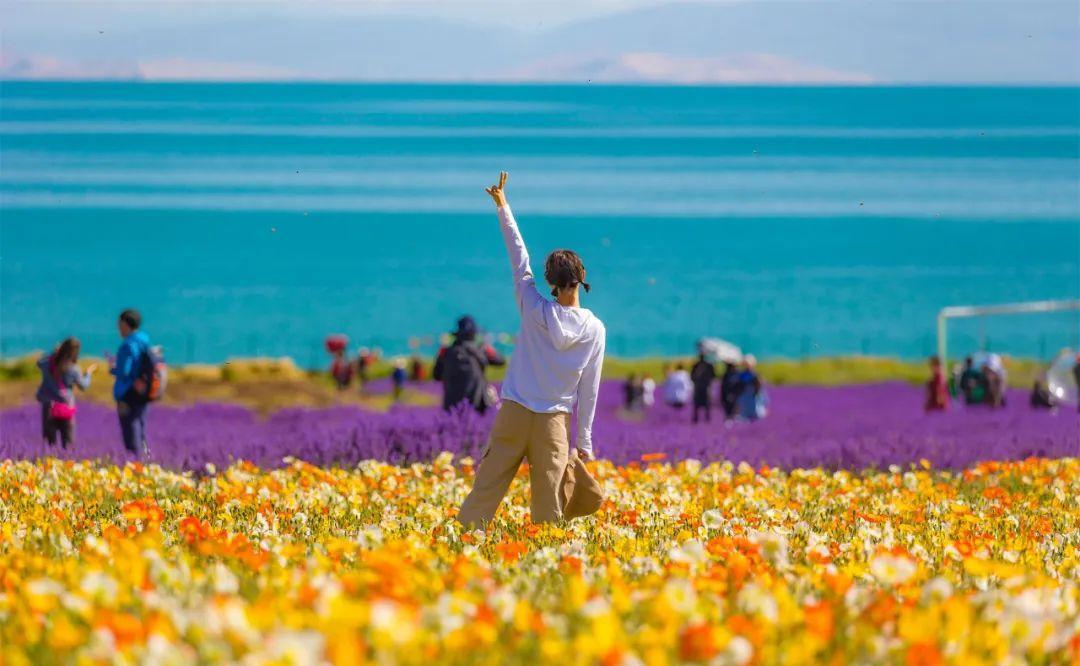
(1060,378)
(716,350)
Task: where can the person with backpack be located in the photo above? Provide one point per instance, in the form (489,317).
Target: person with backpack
(60,375)
(554,369)
(134,388)
(460,367)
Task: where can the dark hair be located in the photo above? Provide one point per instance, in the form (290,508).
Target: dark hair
(68,350)
(131,317)
(563,269)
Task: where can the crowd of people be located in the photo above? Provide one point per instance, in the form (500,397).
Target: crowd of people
(982,382)
(738,390)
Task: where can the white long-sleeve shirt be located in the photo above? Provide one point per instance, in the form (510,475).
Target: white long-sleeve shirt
(560,350)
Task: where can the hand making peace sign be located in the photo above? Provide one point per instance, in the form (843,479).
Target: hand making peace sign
(496,191)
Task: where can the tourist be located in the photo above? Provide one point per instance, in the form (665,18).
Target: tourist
(937,389)
(60,375)
(678,387)
(648,391)
(364,360)
(1076,379)
(730,387)
(130,390)
(398,377)
(460,367)
(752,402)
(555,366)
(633,394)
(341,371)
(417,371)
(994,381)
(1041,398)
(702,374)
(972,383)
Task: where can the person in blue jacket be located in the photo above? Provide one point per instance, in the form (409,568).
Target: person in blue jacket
(127,368)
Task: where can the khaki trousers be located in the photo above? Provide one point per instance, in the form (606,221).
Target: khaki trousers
(520,434)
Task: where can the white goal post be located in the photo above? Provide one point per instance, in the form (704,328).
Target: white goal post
(959,311)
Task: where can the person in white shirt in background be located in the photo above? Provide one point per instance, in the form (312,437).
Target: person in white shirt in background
(648,391)
(555,365)
(678,387)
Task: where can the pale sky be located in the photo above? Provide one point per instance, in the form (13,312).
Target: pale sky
(717,41)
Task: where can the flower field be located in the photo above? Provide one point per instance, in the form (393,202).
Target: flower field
(850,427)
(685,562)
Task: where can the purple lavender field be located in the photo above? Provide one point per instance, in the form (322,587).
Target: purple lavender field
(847,427)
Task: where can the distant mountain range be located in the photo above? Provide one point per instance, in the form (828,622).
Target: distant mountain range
(755,41)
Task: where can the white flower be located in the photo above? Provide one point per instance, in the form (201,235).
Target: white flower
(757,601)
(712,519)
(680,595)
(739,651)
(937,589)
(691,552)
(224,580)
(44,587)
(892,569)
(97,584)
(595,607)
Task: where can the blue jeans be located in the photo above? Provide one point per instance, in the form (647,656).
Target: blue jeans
(132,414)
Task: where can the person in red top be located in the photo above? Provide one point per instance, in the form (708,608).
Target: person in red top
(340,369)
(937,389)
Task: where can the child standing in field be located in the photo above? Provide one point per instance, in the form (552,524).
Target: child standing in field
(60,375)
(555,366)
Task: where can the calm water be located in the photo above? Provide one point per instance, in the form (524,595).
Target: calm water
(254,219)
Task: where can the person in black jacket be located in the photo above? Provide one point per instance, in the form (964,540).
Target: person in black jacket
(730,387)
(702,374)
(460,367)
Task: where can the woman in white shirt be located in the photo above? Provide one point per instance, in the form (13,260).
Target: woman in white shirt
(555,365)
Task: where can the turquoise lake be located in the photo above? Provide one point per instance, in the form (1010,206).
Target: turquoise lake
(256,219)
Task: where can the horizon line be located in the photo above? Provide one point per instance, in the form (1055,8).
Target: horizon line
(553,83)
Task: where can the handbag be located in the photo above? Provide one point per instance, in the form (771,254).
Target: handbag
(61,411)
(581,494)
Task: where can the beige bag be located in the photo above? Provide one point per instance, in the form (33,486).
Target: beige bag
(580,492)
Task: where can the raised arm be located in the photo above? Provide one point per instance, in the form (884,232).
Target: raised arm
(528,296)
(588,389)
(80,379)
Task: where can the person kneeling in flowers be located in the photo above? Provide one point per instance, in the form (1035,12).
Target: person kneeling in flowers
(556,364)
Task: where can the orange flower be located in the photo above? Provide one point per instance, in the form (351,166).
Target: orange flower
(653,457)
(511,551)
(698,643)
(125,628)
(820,620)
(923,654)
(571,564)
(964,547)
(145,510)
(839,583)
